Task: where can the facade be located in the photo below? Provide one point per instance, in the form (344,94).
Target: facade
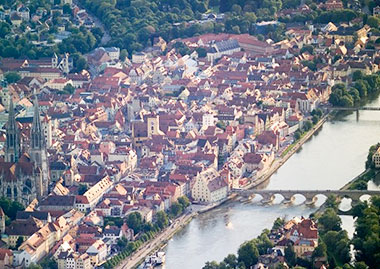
(376,158)
(209,187)
(24,176)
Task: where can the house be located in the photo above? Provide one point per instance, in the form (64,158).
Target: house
(376,158)
(23,229)
(333,4)
(112,233)
(6,258)
(37,246)
(376,11)
(97,252)
(92,196)
(58,84)
(257,163)
(70,259)
(16,19)
(226,47)
(209,187)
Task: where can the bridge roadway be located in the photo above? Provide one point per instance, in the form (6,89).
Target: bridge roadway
(354,108)
(310,195)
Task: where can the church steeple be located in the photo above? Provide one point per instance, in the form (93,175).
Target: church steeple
(37,150)
(37,140)
(13,136)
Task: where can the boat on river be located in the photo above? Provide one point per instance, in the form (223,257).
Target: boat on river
(154,260)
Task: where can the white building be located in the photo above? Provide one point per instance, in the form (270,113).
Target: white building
(208,119)
(209,187)
(376,158)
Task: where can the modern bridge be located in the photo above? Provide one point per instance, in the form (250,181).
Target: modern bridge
(356,109)
(353,108)
(311,196)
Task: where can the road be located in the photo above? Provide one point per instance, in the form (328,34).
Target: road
(135,259)
(106,36)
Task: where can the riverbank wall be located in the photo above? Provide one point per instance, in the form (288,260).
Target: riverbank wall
(280,161)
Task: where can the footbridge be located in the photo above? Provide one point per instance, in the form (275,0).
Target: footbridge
(311,196)
(353,108)
(356,109)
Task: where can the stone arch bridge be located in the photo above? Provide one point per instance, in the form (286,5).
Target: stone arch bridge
(310,195)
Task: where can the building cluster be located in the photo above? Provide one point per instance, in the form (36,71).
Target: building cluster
(299,234)
(136,135)
(42,20)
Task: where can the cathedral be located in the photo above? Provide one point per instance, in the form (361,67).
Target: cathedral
(24,174)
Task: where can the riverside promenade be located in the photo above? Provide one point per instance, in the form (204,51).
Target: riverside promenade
(148,247)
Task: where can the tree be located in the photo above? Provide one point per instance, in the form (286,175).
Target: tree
(359,185)
(231,261)
(10,208)
(297,135)
(135,221)
(123,55)
(162,219)
(307,48)
(49,263)
(320,250)
(331,202)
(315,119)
(35,266)
(362,87)
(66,9)
(358,209)
(278,223)
(184,201)
(373,22)
(68,89)
(357,75)
(361,265)
(12,77)
(176,209)
(211,265)
(221,125)
(80,64)
(307,125)
(82,189)
(330,221)
(248,254)
(19,241)
(201,52)
(367,236)
(290,255)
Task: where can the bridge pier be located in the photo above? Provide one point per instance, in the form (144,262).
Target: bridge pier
(267,199)
(311,201)
(288,199)
(354,202)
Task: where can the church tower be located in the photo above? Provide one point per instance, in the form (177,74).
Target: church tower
(13,147)
(38,148)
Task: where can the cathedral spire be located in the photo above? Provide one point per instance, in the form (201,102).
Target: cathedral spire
(37,139)
(38,152)
(13,136)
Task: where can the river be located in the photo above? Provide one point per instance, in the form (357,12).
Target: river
(331,158)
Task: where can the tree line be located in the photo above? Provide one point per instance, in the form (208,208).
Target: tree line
(143,230)
(363,86)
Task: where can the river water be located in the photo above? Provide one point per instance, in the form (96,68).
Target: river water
(331,158)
